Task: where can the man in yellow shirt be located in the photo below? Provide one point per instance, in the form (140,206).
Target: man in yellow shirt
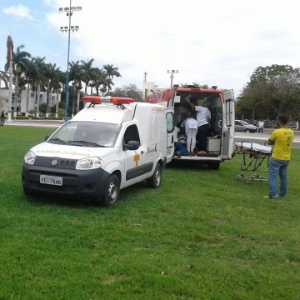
(282,139)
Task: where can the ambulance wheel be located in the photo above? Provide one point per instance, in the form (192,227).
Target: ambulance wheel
(112,192)
(155,180)
(215,165)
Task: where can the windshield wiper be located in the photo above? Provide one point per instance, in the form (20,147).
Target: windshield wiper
(56,141)
(83,143)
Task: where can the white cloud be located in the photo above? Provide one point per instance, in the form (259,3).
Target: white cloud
(212,42)
(20,11)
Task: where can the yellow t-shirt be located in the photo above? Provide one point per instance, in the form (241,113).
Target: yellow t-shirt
(283,139)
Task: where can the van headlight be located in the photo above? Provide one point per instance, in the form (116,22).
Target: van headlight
(29,158)
(89,163)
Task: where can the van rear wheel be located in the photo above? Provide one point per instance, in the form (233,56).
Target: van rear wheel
(112,191)
(214,165)
(155,180)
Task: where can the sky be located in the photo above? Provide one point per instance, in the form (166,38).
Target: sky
(214,42)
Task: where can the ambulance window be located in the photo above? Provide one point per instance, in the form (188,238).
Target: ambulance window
(170,122)
(229,112)
(131,134)
(170,102)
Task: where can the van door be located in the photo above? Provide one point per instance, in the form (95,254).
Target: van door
(137,163)
(170,133)
(228,125)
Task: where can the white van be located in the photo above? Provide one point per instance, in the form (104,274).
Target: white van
(109,145)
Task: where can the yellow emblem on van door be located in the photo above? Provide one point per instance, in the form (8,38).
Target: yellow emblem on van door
(136,158)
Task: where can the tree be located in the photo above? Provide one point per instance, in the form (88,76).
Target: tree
(100,80)
(130,91)
(272,90)
(20,61)
(51,73)
(87,72)
(40,77)
(30,78)
(195,84)
(111,71)
(5,78)
(76,74)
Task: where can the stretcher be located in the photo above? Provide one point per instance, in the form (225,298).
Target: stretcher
(255,161)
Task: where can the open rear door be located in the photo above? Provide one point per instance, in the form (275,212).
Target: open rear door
(228,126)
(170,133)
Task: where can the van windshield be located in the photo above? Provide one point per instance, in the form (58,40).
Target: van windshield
(87,134)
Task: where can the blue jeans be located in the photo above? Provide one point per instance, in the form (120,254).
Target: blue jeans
(202,137)
(180,148)
(278,168)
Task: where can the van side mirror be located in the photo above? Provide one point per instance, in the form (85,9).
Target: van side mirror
(47,137)
(131,145)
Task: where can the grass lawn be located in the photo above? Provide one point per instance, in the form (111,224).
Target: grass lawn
(202,235)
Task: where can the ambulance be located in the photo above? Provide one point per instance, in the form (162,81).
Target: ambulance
(220,141)
(113,143)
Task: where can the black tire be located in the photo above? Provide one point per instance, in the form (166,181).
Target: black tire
(215,165)
(112,191)
(247,130)
(155,180)
(27,192)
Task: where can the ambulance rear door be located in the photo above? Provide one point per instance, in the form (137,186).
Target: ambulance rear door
(170,133)
(228,125)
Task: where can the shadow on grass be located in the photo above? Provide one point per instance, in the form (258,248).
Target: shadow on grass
(187,164)
(61,201)
(81,203)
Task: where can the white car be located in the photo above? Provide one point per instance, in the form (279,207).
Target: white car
(242,126)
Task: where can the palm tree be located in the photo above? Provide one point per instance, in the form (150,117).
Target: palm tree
(20,61)
(111,71)
(51,81)
(87,70)
(40,65)
(99,80)
(106,84)
(5,78)
(77,75)
(31,74)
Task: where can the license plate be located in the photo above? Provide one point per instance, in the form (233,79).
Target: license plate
(53,180)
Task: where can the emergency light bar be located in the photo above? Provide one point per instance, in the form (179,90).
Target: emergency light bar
(114,100)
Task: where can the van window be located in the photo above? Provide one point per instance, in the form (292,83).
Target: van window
(132,134)
(229,112)
(170,122)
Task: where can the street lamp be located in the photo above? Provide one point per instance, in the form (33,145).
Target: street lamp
(145,76)
(69,11)
(172,72)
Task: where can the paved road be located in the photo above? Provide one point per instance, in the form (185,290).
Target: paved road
(35,123)
(260,138)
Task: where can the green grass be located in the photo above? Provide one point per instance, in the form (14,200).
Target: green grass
(202,235)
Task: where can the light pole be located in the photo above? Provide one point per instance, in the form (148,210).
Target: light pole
(145,76)
(172,72)
(69,11)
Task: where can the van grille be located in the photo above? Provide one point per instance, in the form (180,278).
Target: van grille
(55,163)
(67,164)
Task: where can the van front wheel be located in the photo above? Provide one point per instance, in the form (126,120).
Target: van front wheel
(112,191)
(155,180)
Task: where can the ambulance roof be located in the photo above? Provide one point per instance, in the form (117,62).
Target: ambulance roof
(107,113)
